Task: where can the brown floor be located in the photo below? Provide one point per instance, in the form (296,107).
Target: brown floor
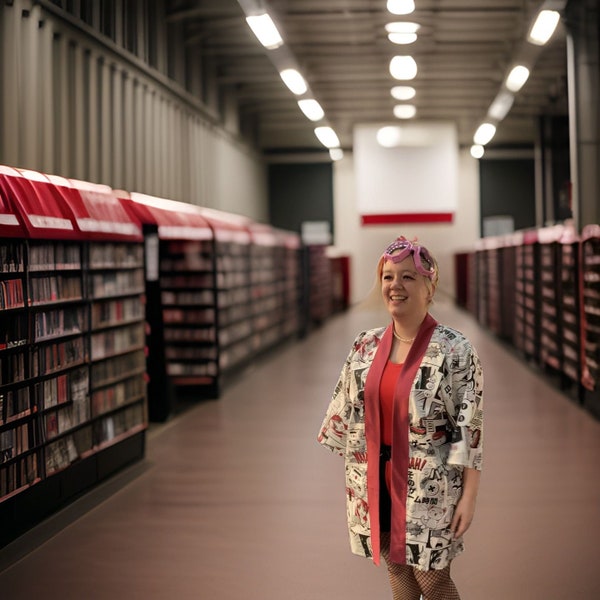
(236,500)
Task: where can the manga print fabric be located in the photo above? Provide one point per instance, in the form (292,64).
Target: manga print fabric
(449,378)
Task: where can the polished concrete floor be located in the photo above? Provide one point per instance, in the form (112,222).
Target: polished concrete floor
(236,500)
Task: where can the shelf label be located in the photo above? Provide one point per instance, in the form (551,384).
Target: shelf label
(46,222)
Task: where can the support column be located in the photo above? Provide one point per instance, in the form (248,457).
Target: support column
(583,25)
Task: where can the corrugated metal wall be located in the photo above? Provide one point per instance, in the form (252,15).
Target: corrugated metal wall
(78,104)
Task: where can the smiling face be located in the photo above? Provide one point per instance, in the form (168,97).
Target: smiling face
(406,293)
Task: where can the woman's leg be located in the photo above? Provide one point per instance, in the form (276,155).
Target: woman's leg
(437,584)
(402,578)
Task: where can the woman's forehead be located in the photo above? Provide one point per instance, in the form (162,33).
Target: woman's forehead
(406,264)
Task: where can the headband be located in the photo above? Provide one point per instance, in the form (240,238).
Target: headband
(406,249)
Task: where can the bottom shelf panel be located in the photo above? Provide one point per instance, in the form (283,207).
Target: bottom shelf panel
(29,508)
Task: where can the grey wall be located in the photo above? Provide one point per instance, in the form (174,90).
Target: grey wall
(300,192)
(507,187)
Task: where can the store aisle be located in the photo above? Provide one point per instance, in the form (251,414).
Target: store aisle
(237,501)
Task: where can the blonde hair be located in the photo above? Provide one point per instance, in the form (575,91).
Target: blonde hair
(373,298)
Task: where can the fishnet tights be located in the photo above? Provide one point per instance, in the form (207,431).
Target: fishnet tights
(409,583)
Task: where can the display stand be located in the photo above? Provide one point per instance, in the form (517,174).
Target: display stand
(181,301)
(590,318)
(527,295)
(73,408)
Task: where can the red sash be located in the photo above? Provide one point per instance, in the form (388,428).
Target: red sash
(399,436)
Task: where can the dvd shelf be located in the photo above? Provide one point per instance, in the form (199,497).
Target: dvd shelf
(18,428)
(550,352)
(590,276)
(319,284)
(72,359)
(266,291)
(117,340)
(234,297)
(291,276)
(188,312)
(570,322)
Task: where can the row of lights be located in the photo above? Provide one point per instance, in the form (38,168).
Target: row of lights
(403,68)
(540,33)
(268,35)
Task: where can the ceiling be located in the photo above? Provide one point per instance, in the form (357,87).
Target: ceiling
(464,50)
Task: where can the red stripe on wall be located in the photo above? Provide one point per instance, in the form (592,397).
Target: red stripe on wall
(390,219)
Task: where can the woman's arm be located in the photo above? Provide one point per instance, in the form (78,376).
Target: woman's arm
(465,509)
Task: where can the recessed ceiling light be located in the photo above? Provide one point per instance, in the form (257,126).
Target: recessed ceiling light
(501,105)
(327,137)
(544,27)
(311,108)
(402,38)
(403,92)
(402,27)
(477,150)
(400,7)
(516,78)
(336,153)
(403,67)
(485,132)
(294,81)
(389,136)
(265,30)
(404,111)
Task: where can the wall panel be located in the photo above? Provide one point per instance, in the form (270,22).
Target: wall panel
(80,107)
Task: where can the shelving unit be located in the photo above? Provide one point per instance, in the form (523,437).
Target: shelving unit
(232,251)
(290,274)
(181,309)
(570,322)
(550,306)
(527,295)
(319,291)
(73,404)
(590,290)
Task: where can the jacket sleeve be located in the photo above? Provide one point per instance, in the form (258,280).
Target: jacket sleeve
(334,429)
(467,406)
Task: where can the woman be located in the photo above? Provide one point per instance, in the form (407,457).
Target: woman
(406,414)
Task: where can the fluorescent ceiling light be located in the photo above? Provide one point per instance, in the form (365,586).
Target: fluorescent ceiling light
(336,153)
(403,92)
(544,27)
(401,32)
(294,81)
(312,109)
(327,137)
(404,111)
(389,136)
(400,7)
(403,67)
(485,132)
(501,105)
(477,150)
(402,27)
(402,38)
(517,78)
(264,29)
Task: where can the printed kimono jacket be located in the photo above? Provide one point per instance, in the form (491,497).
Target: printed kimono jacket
(441,434)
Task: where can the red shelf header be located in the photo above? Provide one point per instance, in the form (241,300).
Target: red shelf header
(227,227)
(175,220)
(37,204)
(10,224)
(52,207)
(97,211)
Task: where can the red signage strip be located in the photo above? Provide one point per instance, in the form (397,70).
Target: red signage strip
(390,219)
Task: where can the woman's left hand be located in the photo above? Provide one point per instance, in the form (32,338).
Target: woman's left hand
(465,509)
(463,516)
